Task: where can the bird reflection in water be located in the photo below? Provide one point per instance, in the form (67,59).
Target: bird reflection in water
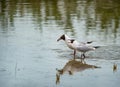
(73,66)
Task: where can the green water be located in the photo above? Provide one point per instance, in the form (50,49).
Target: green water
(30,54)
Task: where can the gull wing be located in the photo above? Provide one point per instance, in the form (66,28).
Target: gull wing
(85,47)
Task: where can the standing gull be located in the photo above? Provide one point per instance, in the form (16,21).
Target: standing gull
(76,46)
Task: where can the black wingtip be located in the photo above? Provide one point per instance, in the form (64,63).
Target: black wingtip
(89,42)
(96,47)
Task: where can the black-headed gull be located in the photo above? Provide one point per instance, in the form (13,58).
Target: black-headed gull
(76,46)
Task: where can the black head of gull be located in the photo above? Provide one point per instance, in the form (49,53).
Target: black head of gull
(61,38)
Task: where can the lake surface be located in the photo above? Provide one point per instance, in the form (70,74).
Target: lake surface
(30,55)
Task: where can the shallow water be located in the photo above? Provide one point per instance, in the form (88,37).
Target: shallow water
(30,56)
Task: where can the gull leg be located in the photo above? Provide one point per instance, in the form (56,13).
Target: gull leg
(74,53)
(83,56)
